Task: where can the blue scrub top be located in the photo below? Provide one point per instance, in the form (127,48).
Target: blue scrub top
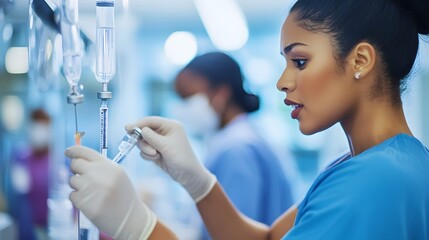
(382,193)
(249,171)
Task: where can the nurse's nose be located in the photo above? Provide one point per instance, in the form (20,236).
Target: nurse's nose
(286,82)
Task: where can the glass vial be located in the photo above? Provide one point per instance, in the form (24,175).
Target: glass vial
(128,142)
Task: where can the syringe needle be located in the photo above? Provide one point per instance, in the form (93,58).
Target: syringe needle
(75,118)
(77,135)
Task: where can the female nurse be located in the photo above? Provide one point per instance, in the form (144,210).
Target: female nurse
(347,62)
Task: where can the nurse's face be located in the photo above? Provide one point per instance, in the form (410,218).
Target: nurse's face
(188,83)
(320,92)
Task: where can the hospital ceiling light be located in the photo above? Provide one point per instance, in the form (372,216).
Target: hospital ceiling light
(125,4)
(16,61)
(12,112)
(180,47)
(7,32)
(224,22)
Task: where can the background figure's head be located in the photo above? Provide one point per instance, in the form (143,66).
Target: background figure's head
(342,53)
(39,130)
(216,79)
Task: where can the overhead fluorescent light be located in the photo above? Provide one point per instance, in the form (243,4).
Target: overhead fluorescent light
(224,22)
(16,61)
(12,112)
(7,32)
(125,4)
(180,47)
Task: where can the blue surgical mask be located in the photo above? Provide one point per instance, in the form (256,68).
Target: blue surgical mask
(39,135)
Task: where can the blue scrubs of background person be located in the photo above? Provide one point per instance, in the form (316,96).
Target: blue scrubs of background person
(239,158)
(249,172)
(215,106)
(371,186)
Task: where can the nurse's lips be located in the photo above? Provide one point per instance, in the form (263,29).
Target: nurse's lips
(296,108)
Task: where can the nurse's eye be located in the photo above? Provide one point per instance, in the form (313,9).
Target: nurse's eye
(300,63)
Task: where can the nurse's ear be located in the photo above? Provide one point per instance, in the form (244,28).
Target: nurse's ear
(362,59)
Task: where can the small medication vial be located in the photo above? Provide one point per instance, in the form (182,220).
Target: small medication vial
(127,143)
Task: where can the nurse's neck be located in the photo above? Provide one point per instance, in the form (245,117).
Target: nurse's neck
(371,125)
(230,113)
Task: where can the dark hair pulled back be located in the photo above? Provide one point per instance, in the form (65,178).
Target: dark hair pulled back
(222,70)
(391,26)
(39,114)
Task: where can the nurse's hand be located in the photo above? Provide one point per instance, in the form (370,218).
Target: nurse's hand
(104,193)
(165,143)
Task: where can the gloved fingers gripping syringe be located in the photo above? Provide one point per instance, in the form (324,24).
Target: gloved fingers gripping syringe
(127,144)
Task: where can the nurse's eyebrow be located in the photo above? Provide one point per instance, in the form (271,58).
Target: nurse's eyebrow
(289,48)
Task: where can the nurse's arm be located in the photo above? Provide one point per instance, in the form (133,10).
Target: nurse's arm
(283,223)
(225,222)
(162,232)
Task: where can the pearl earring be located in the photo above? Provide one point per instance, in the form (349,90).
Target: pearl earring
(357,75)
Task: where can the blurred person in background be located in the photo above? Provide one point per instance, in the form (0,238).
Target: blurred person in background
(29,178)
(216,107)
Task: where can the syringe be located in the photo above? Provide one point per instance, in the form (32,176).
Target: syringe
(105,62)
(127,144)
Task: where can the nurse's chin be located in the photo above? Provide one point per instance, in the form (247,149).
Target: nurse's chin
(310,130)
(306,132)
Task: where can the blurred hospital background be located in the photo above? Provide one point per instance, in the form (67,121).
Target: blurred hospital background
(154,40)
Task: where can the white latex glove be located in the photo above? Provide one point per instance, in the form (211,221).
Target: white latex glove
(165,143)
(104,193)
